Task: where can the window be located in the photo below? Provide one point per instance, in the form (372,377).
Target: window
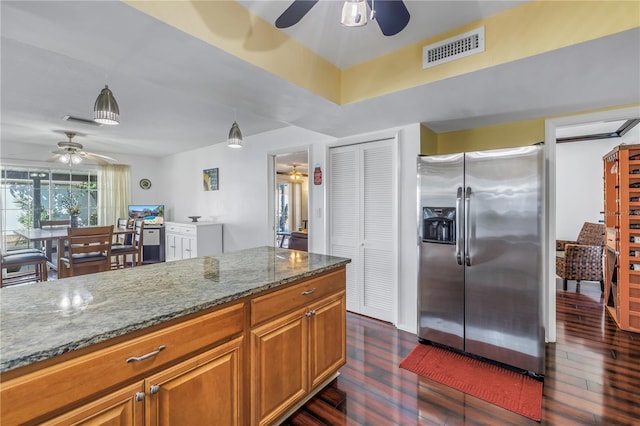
(30,194)
(284,195)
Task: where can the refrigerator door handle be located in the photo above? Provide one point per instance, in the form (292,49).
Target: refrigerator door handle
(458,225)
(467,225)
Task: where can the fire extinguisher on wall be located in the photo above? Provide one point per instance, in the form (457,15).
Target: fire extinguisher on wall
(317,175)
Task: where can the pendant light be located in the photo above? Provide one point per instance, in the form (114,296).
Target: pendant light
(235,136)
(105,110)
(354,13)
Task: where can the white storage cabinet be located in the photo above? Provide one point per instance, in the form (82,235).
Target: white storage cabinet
(189,239)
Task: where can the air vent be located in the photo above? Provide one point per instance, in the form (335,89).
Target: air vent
(81,120)
(453,48)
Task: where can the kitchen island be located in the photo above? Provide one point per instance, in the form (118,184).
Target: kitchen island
(238,338)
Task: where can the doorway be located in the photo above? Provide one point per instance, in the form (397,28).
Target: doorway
(290,196)
(551,133)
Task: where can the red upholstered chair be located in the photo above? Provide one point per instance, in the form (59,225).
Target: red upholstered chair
(581,260)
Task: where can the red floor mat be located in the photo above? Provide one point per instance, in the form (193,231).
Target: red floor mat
(504,388)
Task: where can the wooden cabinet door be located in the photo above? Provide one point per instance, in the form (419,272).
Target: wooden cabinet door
(278,365)
(327,338)
(124,407)
(203,390)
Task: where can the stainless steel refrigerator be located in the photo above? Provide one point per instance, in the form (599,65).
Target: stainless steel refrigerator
(480,270)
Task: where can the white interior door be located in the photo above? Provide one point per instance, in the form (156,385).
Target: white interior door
(363,224)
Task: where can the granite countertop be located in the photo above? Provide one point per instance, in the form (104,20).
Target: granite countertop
(39,321)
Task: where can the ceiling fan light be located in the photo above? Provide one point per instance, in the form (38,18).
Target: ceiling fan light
(65,158)
(75,158)
(235,136)
(354,13)
(105,110)
(295,174)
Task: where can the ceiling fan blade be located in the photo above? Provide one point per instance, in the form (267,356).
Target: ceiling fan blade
(392,15)
(294,13)
(100,159)
(54,158)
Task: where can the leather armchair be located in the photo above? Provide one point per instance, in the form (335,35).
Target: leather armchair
(581,260)
(298,241)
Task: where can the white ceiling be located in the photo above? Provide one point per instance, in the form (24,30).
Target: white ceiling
(178,93)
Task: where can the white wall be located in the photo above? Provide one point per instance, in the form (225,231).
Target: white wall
(241,203)
(141,167)
(579,186)
(149,168)
(409,139)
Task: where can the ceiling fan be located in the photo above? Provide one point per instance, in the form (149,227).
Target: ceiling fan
(294,174)
(72,153)
(391,15)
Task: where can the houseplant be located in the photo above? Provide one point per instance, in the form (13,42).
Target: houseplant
(74,212)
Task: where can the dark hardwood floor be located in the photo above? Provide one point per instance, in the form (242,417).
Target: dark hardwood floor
(592,377)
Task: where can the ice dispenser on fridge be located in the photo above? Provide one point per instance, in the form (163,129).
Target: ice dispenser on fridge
(438,224)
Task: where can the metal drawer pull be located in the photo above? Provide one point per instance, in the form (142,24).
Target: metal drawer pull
(154,389)
(139,396)
(308,292)
(149,355)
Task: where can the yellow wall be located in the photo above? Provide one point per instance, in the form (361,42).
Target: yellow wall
(533,28)
(507,135)
(530,29)
(519,133)
(428,141)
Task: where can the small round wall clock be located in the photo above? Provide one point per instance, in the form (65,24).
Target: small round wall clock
(145,183)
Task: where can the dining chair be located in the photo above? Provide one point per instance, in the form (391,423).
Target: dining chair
(122,224)
(49,244)
(89,251)
(18,259)
(134,249)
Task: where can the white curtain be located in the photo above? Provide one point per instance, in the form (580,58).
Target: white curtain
(114,193)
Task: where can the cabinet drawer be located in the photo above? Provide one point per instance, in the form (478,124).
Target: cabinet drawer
(179,228)
(151,237)
(70,381)
(284,300)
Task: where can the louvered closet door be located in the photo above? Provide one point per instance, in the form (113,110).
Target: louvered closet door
(344,218)
(364,224)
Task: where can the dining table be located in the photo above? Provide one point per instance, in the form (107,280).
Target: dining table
(47,236)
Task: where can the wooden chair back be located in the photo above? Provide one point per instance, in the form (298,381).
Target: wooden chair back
(136,242)
(122,225)
(134,249)
(89,250)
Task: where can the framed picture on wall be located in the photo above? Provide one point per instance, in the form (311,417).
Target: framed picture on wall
(210,179)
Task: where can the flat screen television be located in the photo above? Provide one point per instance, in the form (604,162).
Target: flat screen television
(153,214)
